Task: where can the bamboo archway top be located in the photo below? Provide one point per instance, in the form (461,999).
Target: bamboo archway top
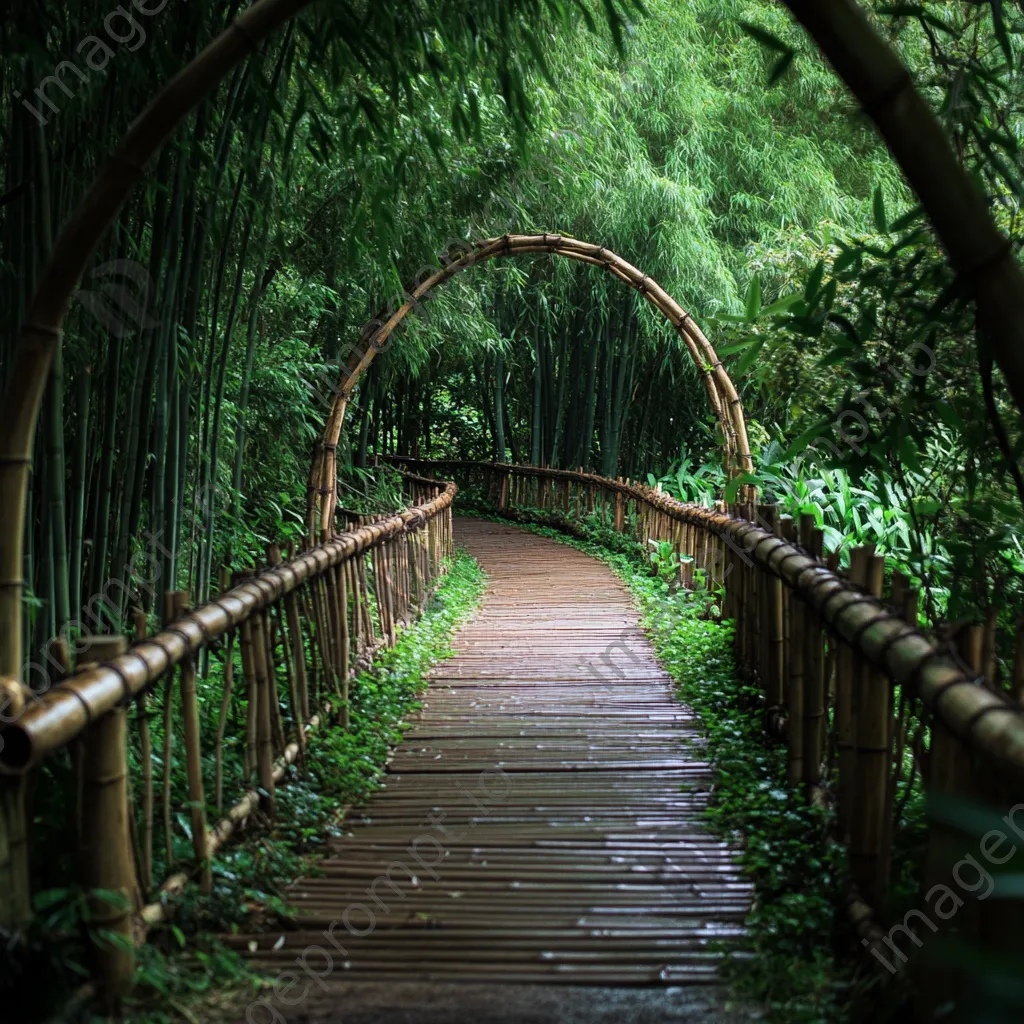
(723,397)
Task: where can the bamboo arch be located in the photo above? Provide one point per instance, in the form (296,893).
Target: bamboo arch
(722,395)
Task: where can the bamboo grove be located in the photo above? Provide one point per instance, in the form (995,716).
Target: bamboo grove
(242,269)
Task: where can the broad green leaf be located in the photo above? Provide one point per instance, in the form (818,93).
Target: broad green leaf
(753,302)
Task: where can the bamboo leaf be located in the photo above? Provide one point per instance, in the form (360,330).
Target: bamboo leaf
(765,38)
(878,210)
(753,302)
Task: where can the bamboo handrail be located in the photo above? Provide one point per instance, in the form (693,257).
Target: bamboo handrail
(61,714)
(989,723)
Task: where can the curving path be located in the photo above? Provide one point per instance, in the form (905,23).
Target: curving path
(540,824)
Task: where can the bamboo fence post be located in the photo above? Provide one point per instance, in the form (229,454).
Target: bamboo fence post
(908,609)
(795,682)
(719,552)
(949,774)
(364,587)
(193,757)
(281,632)
(833,565)
(1017,675)
(356,628)
(170,608)
(814,678)
(225,705)
(270,637)
(252,698)
(742,605)
(989,663)
(146,756)
(849,685)
(333,624)
(264,732)
(343,642)
(775,691)
(869,850)
(106,854)
(15,878)
(765,518)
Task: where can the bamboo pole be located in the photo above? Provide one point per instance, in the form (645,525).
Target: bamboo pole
(252,692)
(1017,675)
(225,704)
(869,850)
(814,677)
(105,854)
(194,757)
(146,757)
(849,682)
(343,644)
(795,692)
(264,733)
(774,693)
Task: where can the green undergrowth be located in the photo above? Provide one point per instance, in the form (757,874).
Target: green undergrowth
(796,964)
(184,973)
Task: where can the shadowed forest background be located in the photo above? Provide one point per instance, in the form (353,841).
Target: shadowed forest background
(707,142)
(332,166)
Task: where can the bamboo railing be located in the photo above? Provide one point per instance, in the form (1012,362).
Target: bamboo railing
(299,629)
(865,701)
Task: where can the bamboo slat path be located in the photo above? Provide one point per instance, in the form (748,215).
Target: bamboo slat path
(864,699)
(540,821)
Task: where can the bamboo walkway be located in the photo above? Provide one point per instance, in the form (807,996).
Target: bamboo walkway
(541,819)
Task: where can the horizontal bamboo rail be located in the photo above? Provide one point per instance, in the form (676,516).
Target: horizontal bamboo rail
(988,723)
(62,713)
(303,629)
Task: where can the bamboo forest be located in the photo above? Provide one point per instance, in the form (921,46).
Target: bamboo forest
(512,511)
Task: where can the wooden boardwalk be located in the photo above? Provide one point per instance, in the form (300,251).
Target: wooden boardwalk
(541,819)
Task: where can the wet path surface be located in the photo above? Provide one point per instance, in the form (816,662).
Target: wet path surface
(540,824)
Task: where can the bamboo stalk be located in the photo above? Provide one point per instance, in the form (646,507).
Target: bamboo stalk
(847,678)
(274,702)
(775,691)
(814,677)
(1017,677)
(264,734)
(344,643)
